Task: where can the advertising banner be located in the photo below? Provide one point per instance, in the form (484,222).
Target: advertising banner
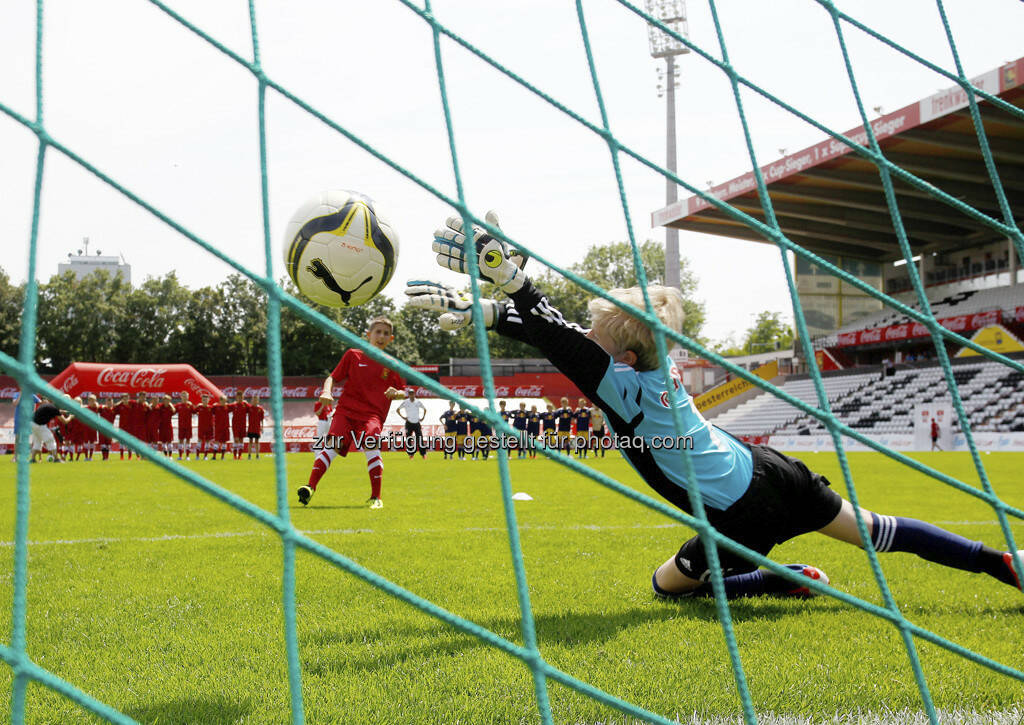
(110,379)
(729,390)
(912,330)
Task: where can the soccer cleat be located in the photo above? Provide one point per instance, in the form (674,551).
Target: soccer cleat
(376,503)
(811,572)
(1008,558)
(305,493)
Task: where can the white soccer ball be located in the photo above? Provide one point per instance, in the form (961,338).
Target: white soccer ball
(338,250)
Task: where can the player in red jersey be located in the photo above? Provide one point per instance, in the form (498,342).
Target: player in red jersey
(204,425)
(89,434)
(184,409)
(166,432)
(221,427)
(254,428)
(369,389)
(239,421)
(75,435)
(153,416)
(108,412)
(124,411)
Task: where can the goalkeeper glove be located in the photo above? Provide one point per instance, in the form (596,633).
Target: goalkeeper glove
(492,256)
(456,308)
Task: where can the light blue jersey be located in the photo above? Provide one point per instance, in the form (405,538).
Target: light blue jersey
(636,409)
(723,465)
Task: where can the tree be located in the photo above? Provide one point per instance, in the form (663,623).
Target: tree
(153,321)
(12,299)
(81,319)
(610,266)
(768,333)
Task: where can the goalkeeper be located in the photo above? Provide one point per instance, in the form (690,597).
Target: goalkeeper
(753,494)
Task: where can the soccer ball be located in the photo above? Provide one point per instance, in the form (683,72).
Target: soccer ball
(338,250)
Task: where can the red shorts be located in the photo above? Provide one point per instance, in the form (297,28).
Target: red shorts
(220,434)
(206,434)
(350,433)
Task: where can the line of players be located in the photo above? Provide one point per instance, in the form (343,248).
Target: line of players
(220,425)
(572,430)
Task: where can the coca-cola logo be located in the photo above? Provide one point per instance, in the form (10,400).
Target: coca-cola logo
(466,391)
(896,332)
(229,391)
(263,392)
(298,391)
(70,383)
(11,393)
(299,432)
(871,335)
(193,386)
(146,378)
(956,324)
(529,391)
(501,391)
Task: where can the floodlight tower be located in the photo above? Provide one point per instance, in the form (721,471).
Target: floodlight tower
(672,13)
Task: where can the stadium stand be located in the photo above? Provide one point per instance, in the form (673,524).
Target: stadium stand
(993,399)
(966,302)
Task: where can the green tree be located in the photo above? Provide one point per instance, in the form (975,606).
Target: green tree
(81,319)
(12,299)
(610,266)
(768,333)
(154,316)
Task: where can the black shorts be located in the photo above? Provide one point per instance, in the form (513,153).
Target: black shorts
(253,436)
(785,500)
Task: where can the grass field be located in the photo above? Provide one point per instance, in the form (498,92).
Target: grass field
(166,604)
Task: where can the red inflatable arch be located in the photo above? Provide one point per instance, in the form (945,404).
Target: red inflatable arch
(112,379)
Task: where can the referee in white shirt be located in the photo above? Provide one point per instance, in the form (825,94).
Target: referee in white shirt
(412,412)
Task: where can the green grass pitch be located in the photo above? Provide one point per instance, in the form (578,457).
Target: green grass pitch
(166,604)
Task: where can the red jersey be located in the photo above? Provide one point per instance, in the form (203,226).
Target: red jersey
(365,381)
(166,422)
(88,432)
(220,422)
(255,418)
(108,414)
(204,421)
(321,410)
(153,415)
(239,413)
(126,415)
(184,411)
(935,429)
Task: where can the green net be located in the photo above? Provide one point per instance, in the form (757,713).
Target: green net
(15,655)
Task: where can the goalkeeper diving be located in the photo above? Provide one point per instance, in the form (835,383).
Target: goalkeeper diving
(752,493)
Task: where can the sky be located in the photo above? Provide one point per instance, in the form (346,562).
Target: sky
(162,112)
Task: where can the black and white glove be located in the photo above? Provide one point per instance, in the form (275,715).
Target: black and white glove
(456,308)
(496,262)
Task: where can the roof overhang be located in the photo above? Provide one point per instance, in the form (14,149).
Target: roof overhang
(831,200)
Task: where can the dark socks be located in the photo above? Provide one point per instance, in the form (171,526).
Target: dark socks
(895,533)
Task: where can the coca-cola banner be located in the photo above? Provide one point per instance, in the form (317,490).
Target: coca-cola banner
(112,379)
(911,330)
(292,387)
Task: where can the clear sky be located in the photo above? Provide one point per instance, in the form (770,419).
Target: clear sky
(164,113)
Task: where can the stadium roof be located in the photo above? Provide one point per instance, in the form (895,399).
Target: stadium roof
(830,200)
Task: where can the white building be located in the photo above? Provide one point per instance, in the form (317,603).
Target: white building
(82,264)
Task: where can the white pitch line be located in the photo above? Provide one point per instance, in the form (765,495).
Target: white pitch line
(343,532)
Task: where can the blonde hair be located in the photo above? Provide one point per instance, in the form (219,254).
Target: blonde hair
(381,321)
(630,333)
